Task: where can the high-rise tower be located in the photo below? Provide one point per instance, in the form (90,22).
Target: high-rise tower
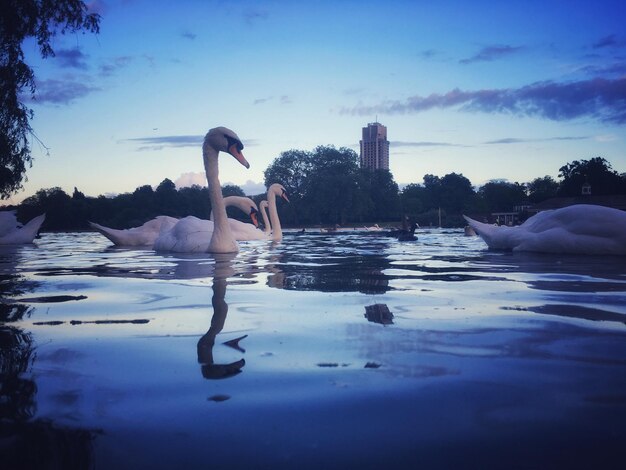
(375,147)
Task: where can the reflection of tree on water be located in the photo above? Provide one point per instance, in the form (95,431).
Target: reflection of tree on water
(315,264)
(26,442)
(211,370)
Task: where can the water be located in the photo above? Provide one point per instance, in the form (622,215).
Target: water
(344,351)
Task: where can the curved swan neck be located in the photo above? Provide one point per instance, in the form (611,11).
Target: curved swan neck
(222,240)
(266,222)
(277,232)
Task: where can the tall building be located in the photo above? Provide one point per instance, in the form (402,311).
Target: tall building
(375,147)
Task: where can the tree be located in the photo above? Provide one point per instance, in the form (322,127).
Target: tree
(596,171)
(331,189)
(541,189)
(21,19)
(291,169)
(381,193)
(502,195)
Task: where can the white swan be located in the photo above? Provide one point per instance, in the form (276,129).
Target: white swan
(14,233)
(146,234)
(246,205)
(273,230)
(267,228)
(578,229)
(191,235)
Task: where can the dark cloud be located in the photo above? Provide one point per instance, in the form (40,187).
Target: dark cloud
(490,53)
(189,35)
(252,15)
(175,141)
(607,41)
(428,54)
(599,98)
(97,6)
(397,143)
(62,91)
(617,68)
(71,58)
(113,65)
(284,99)
(514,140)
(167,141)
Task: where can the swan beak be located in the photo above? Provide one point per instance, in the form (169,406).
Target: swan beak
(235,152)
(284,196)
(253,216)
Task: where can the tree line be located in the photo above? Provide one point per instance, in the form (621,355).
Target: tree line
(326,187)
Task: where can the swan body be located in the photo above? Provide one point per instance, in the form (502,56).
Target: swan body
(145,235)
(14,233)
(578,229)
(192,235)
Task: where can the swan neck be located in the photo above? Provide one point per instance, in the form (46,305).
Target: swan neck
(277,232)
(222,240)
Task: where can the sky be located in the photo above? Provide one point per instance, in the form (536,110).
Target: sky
(492,90)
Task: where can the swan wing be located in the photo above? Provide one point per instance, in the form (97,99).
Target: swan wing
(25,234)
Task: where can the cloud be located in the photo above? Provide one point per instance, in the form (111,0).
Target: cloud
(284,99)
(514,140)
(168,141)
(97,6)
(175,141)
(253,15)
(251,188)
(63,91)
(422,144)
(71,58)
(187,180)
(113,65)
(598,98)
(607,41)
(490,53)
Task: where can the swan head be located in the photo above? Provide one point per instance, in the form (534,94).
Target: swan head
(222,139)
(279,190)
(254,215)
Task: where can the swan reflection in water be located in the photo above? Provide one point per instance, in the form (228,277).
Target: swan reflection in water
(211,370)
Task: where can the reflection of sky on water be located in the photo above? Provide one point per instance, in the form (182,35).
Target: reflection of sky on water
(489,347)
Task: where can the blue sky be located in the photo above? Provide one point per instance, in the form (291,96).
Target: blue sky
(493,90)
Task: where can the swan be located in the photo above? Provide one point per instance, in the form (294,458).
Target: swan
(248,206)
(273,230)
(14,233)
(577,229)
(144,235)
(267,228)
(192,235)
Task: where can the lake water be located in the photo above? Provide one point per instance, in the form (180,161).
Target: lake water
(349,350)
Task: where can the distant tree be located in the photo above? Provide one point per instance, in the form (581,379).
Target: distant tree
(291,169)
(502,196)
(456,193)
(541,189)
(232,190)
(596,171)
(380,192)
(55,203)
(411,199)
(331,189)
(19,20)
